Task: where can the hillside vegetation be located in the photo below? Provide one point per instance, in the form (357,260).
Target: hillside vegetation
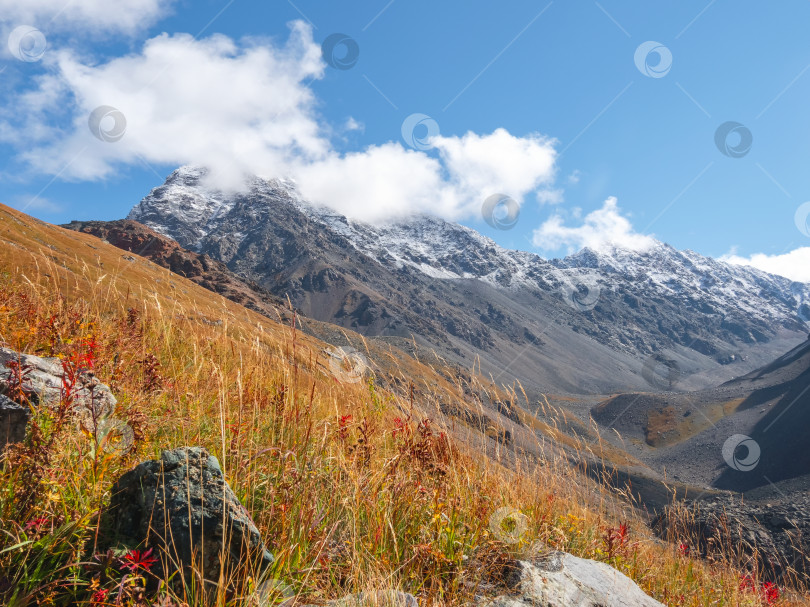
(354,486)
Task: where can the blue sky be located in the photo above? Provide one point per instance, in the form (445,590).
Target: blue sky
(564,71)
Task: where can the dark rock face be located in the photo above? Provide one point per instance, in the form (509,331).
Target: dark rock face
(13,421)
(775,536)
(181,506)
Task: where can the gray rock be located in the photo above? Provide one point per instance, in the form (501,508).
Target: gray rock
(43,383)
(13,421)
(181,506)
(562,580)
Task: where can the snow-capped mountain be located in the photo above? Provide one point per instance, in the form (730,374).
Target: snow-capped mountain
(447,287)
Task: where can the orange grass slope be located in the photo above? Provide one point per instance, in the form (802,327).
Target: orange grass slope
(353,486)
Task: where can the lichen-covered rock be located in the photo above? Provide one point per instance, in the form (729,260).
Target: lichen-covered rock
(13,421)
(559,579)
(182,507)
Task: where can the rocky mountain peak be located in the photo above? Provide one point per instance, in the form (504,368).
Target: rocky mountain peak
(465,295)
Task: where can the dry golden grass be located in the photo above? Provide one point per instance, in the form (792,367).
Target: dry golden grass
(354,487)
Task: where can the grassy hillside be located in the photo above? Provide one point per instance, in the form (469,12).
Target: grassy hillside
(354,485)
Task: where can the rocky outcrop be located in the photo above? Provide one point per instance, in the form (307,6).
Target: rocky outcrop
(42,382)
(27,380)
(181,506)
(559,579)
(774,535)
(582,324)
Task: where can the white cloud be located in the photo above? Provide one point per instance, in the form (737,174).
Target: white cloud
(555,196)
(353,125)
(389,180)
(245,109)
(500,163)
(574,177)
(794,265)
(600,230)
(380,182)
(124,16)
(185,101)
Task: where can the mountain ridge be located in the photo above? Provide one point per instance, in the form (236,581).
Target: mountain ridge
(457,291)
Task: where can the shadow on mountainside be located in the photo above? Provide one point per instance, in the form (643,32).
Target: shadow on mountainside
(781,437)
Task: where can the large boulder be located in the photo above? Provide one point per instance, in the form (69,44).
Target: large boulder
(43,382)
(27,380)
(182,507)
(559,579)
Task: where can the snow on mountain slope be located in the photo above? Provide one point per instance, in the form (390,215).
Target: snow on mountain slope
(185,209)
(585,323)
